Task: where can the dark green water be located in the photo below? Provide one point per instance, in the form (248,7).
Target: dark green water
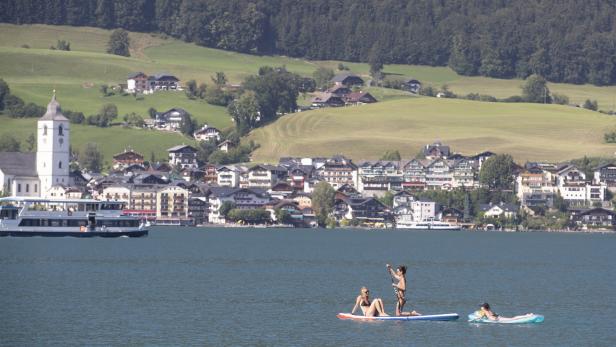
(232,287)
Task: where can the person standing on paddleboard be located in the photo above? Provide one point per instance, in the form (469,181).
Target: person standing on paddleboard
(400,289)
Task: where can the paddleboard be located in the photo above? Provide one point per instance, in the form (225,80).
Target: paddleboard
(430,317)
(535,318)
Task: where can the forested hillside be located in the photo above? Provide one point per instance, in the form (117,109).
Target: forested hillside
(564,40)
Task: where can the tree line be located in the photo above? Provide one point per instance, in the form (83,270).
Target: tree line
(563,40)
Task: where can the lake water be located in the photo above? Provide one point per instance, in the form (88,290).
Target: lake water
(234,287)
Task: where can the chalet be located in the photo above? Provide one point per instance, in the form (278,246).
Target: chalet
(229,176)
(163,81)
(299,175)
(150,178)
(378,177)
(171,120)
(596,218)
(226,146)
(348,80)
(412,85)
(207,134)
(281,190)
(326,100)
(265,176)
(338,171)
(137,82)
(347,191)
(210,173)
(359,98)
(368,210)
(197,209)
(241,198)
(183,157)
(606,174)
(536,187)
(339,91)
(126,159)
(452,215)
(303,200)
(499,210)
(436,150)
(403,198)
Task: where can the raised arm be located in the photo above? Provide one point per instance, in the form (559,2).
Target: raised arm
(392,272)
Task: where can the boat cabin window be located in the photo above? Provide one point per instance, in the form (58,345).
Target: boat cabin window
(8,212)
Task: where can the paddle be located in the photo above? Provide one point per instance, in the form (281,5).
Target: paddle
(392,282)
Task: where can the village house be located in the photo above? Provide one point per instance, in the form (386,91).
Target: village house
(378,177)
(299,176)
(536,187)
(281,191)
(368,210)
(326,100)
(451,215)
(226,146)
(142,202)
(303,200)
(229,175)
(575,189)
(172,206)
(163,81)
(606,175)
(499,210)
(207,134)
(198,209)
(137,83)
(412,85)
(60,191)
(347,80)
(338,171)
(170,120)
(183,157)
(359,98)
(265,176)
(595,218)
(210,174)
(241,198)
(339,91)
(436,151)
(126,159)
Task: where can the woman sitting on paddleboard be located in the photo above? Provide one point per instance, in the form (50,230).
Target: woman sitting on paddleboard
(486,312)
(372,308)
(400,288)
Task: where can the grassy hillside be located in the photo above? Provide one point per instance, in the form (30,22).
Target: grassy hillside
(398,121)
(527,131)
(144,141)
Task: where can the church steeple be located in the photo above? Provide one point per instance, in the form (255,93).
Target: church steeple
(54,112)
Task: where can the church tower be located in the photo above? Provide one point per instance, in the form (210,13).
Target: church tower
(52,155)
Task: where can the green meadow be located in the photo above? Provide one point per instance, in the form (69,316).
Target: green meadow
(527,131)
(398,121)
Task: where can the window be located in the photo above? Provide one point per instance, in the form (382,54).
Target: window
(19,187)
(45,130)
(59,165)
(61,130)
(27,188)
(35,188)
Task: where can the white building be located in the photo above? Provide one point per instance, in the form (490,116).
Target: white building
(29,174)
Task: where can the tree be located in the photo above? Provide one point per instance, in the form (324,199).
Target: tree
(105,116)
(591,105)
(8,143)
(104,89)
(245,112)
(322,76)
(225,208)
(152,112)
(92,158)
(31,141)
(63,45)
(323,201)
(283,216)
(276,91)
(376,61)
(387,199)
(191,89)
(188,125)
(497,172)
(119,43)
(4,92)
(220,79)
(393,155)
(560,99)
(535,90)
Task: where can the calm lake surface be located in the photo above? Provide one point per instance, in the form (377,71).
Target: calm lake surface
(233,287)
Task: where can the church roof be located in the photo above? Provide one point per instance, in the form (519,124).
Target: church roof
(18,164)
(54,112)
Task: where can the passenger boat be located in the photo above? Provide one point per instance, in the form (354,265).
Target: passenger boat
(427,225)
(20,216)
